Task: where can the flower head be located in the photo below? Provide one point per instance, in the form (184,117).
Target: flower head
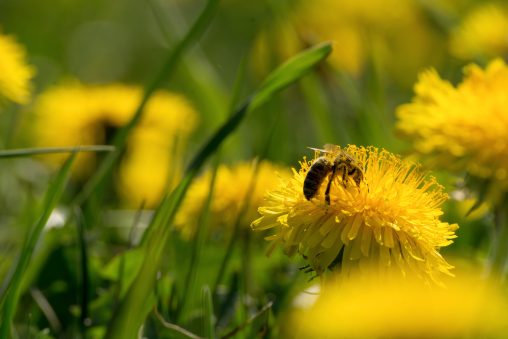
(391,219)
(370,307)
(482,33)
(77,114)
(234,186)
(462,128)
(15,73)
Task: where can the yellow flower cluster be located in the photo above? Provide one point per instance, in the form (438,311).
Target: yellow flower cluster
(462,128)
(391,220)
(15,73)
(390,307)
(231,191)
(482,33)
(76,114)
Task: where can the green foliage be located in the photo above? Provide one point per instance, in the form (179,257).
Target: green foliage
(11,292)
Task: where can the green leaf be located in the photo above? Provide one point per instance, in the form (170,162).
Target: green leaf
(13,287)
(133,309)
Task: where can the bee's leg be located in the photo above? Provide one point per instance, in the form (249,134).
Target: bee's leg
(329,185)
(344,172)
(356,175)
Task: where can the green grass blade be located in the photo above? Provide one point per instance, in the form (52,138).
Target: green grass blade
(238,85)
(12,290)
(167,70)
(25,152)
(136,304)
(213,143)
(199,238)
(290,71)
(201,76)
(208,317)
(133,309)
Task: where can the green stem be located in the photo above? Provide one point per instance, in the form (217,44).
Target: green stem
(85,279)
(227,256)
(500,253)
(247,261)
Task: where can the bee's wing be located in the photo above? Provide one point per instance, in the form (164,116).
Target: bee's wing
(331,148)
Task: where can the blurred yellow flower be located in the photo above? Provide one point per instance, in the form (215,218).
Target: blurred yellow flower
(77,114)
(390,220)
(364,31)
(391,307)
(146,173)
(462,128)
(232,189)
(15,73)
(482,34)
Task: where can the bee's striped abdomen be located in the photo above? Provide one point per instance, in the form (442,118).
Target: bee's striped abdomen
(315,176)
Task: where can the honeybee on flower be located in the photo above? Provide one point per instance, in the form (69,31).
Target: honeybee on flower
(391,221)
(334,162)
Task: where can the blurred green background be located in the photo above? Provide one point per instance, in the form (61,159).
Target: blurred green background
(80,269)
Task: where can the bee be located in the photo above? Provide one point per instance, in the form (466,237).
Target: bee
(344,165)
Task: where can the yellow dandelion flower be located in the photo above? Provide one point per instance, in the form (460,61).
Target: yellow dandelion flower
(15,73)
(392,307)
(462,128)
(390,219)
(231,190)
(76,114)
(482,33)
(362,30)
